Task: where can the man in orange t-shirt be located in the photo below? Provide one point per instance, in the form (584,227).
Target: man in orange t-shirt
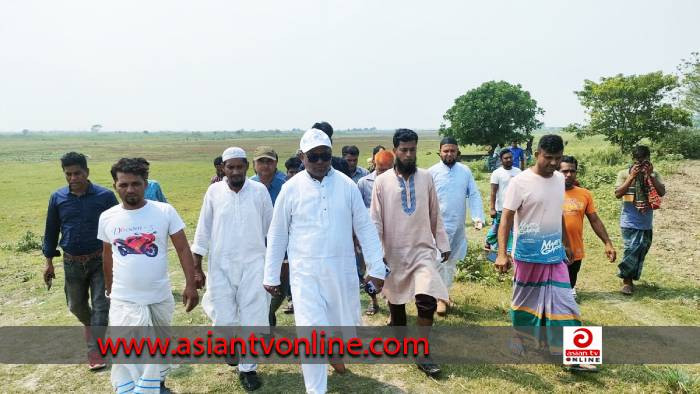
(577,203)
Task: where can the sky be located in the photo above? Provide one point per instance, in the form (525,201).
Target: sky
(229,65)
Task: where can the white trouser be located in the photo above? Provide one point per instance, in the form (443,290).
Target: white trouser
(458,246)
(140,378)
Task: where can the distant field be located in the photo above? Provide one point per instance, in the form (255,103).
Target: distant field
(182,163)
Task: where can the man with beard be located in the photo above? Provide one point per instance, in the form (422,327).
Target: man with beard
(455,184)
(314,219)
(578,202)
(233,222)
(73,212)
(406,211)
(135,255)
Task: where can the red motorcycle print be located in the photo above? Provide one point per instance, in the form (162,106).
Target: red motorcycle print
(138,244)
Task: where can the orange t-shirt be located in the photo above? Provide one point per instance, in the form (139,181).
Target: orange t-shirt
(577,203)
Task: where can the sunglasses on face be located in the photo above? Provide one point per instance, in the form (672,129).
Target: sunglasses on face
(314,157)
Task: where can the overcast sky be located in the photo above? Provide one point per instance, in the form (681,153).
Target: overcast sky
(215,65)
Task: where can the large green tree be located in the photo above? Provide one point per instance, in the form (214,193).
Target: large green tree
(494,113)
(690,83)
(628,108)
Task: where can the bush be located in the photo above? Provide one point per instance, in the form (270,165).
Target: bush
(685,142)
(28,242)
(474,267)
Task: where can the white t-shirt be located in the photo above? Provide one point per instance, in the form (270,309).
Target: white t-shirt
(501,177)
(139,239)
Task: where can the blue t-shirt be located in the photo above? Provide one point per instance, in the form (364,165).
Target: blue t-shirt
(275,186)
(518,154)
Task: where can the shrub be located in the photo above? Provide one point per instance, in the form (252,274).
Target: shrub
(28,242)
(685,142)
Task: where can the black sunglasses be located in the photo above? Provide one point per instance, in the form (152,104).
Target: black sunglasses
(314,157)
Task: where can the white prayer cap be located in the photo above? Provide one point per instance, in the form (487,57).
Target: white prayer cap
(233,152)
(313,138)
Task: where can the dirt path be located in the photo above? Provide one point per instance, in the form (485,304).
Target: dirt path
(676,244)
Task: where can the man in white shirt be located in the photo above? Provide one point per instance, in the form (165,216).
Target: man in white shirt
(233,222)
(135,259)
(314,218)
(500,178)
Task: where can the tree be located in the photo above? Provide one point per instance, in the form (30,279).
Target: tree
(494,113)
(95,128)
(690,83)
(627,109)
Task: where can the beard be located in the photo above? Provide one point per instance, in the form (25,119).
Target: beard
(449,162)
(236,182)
(406,168)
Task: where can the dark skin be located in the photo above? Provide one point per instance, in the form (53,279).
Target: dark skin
(514,144)
(266,169)
(219,170)
(318,171)
(78,184)
(545,165)
(406,154)
(131,189)
(235,171)
(636,167)
(569,170)
(352,162)
(507,163)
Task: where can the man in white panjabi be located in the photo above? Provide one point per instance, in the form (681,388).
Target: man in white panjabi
(314,218)
(233,222)
(135,261)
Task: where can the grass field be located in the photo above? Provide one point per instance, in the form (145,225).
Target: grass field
(668,294)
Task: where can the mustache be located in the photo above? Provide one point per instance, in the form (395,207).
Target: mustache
(406,168)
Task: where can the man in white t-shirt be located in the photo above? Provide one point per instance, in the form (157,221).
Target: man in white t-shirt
(500,178)
(233,222)
(135,259)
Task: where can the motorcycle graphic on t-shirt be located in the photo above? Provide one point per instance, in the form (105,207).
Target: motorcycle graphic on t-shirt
(143,243)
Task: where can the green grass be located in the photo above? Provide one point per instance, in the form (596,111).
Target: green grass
(181,162)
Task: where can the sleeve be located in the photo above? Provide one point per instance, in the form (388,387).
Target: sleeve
(436,225)
(590,205)
(175,221)
(366,233)
(658,177)
(102,229)
(202,234)
(376,209)
(513,198)
(159,194)
(476,206)
(277,238)
(494,178)
(52,229)
(266,211)
(621,176)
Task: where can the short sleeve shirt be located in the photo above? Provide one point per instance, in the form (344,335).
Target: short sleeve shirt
(502,177)
(577,203)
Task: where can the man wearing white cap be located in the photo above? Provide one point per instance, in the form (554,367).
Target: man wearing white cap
(314,218)
(234,219)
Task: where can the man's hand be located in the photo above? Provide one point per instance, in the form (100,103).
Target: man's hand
(634,171)
(492,213)
(650,168)
(199,278)
(378,283)
(273,290)
(610,252)
(569,254)
(445,256)
(478,225)
(190,298)
(49,274)
(502,264)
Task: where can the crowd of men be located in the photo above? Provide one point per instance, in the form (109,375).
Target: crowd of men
(324,230)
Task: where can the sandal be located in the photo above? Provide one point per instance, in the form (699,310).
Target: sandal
(372,310)
(583,368)
(626,290)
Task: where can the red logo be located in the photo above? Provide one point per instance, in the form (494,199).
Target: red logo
(583,337)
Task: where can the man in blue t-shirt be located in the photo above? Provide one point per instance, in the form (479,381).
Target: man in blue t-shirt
(518,155)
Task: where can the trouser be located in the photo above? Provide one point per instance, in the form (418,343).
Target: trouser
(276,300)
(85,285)
(425,304)
(573,272)
(139,378)
(636,244)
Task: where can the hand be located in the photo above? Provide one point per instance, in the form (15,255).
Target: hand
(273,290)
(190,298)
(445,256)
(378,283)
(610,252)
(199,278)
(492,213)
(569,254)
(49,274)
(650,168)
(634,171)
(502,264)
(478,225)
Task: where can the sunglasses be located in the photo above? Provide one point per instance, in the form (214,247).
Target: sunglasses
(314,157)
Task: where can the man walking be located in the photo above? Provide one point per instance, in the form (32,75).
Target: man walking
(219,168)
(314,219)
(406,211)
(351,154)
(455,185)
(135,253)
(641,189)
(233,222)
(73,213)
(153,189)
(500,178)
(578,202)
(518,155)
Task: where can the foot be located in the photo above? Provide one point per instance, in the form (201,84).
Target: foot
(289,309)
(163,389)
(429,368)
(626,289)
(338,368)
(232,360)
(441,308)
(249,380)
(95,361)
(583,368)
(372,309)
